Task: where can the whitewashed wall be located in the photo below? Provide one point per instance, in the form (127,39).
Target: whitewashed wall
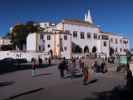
(66,44)
(26,55)
(91,42)
(31,42)
(105,49)
(118,45)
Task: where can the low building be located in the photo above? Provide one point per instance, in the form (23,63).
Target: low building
(58,44)
(5,41)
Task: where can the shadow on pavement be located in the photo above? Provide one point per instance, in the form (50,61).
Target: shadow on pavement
(24,93)
(74,77)
(6,83)
(92,81)
(43,74)
(116,94)
(7,68)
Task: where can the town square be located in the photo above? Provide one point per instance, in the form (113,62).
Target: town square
(66,50)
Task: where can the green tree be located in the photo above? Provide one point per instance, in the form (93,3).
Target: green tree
(8,35)
(31,28)
(19,34)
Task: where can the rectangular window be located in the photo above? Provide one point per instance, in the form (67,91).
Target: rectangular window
(120,49)
(99,37)
(104,43)
(125,50)
(125,42)
(48,45)
(48,37)
(67,32)
(65,37)
(41,36)
(95,36)
(61,45)
(75,34)
(105,37)
(88,35)
(116,41)
(82,35)
(111,40)
(65,48)
(120,41)
(116,49)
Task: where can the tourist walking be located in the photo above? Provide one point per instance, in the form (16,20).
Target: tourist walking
(81,64)
(96,67)
(86,74)
(65,64)
(61,68)
(72,68)
(34,66)
(102,67)
(49,61)
(40,61)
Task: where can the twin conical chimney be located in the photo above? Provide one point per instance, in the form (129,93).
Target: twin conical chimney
(88,17)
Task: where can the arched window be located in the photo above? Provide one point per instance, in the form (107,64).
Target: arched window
(76,48)
(94,49)
(86,49)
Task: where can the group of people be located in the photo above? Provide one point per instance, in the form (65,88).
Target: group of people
(81,65)
(36,63)
(88,67)
(100,67)
(68,66)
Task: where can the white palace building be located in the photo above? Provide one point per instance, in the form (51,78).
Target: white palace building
(70,37)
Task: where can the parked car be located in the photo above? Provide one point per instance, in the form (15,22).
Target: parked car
(20,61)
(7,65)
(13,61)
(8,61)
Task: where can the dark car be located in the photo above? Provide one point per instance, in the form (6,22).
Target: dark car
(13,61)
(20,61)
(7,65)
(8,61)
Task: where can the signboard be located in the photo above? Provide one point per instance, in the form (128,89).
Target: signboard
(123,59)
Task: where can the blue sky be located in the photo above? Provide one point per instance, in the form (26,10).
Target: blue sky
(112,15)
